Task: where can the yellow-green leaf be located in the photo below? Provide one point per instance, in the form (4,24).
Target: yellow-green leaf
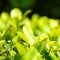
(29,34)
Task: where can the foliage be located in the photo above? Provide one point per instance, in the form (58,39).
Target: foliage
(22,38)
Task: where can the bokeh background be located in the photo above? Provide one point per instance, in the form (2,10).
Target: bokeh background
(50,8)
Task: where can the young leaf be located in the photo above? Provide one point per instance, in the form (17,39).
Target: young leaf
(52,55)
(29,34)
(21,49)
(2,42)
(32,54)
(22,36)
(27,12)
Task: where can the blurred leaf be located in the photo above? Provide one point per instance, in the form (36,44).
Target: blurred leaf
(7,58)
(16,13)
(2,42)
(21,49)
(53,56)
(22,36)
(17,57)
(29,34)
(34,20)
(27,12)
(32,54)
(15,39)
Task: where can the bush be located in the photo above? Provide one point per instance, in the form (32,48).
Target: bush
(22,38)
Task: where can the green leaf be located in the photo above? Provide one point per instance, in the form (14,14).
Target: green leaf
(34,20)
(29,34)
(2,42)
(33,54)
(17,57)
(52,55)
(22,35)
(21,49)
(7,58)
(27,12)
(16,13)
(14,40)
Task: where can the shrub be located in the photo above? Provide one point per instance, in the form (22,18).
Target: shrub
(22,38)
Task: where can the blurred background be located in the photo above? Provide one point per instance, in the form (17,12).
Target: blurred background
(50,8)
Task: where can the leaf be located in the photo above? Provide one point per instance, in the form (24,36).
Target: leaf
(52,55)
(17,57)
(32,54)
(29,34)
(39,57)
(59,40)
(21,49)
(2,42)
(34,20)
(14,40)
(58,58)
(16,13)
(21,35)
(27,12)
(7,58)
